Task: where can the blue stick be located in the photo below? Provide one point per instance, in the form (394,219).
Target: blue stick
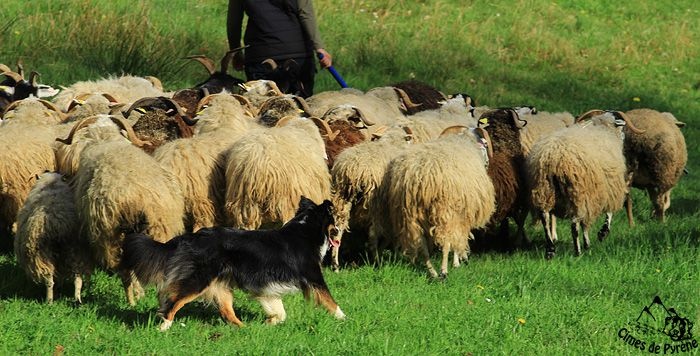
(338,78)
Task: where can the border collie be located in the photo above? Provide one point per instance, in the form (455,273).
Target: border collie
(266,264)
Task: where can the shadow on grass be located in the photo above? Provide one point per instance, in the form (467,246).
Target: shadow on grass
(145,313)
(683,207)
(15,283)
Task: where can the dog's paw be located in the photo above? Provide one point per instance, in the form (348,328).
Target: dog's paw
(339,314)
(165,325)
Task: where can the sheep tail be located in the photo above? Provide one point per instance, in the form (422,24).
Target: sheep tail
(146,257)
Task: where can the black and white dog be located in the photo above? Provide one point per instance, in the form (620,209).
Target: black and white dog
(266,264)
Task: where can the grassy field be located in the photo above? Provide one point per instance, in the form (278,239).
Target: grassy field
(564,55)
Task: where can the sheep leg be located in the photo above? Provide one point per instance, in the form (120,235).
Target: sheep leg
(520,235)
(77,288)
(657,200)
(547,224)
(605,229)
(586,240)
(274,309)
(553,228)
(131,286)
(341,222)
(628,208)
(425,254)
(666,203)
(575,229)
(455,259)
(49,289)
(445,260)
(373,243)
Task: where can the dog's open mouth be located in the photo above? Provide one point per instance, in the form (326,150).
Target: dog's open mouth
(332,236)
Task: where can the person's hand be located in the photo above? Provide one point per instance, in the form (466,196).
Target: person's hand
(327,60)
(238,60)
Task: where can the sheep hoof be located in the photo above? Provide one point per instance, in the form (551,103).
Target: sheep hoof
(603,233)
(442,277)
(549,255)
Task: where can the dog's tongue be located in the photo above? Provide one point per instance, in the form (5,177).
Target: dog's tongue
(334,243)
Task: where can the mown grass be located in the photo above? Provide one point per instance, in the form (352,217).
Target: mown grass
(565,55)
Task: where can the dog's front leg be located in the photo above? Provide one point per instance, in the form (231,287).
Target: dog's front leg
(322,296)
(274,309)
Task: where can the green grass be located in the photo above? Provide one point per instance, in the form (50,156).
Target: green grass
(564,55)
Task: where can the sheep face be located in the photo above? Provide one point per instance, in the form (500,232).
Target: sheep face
(504,127)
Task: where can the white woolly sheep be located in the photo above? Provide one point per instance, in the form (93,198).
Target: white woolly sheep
(438,192)
(356,175)
(428,124)
(541,124)
(120,188)
(376,106)
(259,91)
(580,173)
(198,163)
(657,157)
(269,169)
(26,136)
(48,245)
(126,89)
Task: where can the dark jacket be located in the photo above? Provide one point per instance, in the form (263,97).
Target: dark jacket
(274,29)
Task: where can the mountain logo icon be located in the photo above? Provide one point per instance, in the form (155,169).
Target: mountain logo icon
(656,318)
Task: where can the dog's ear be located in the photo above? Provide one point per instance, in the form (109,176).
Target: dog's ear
(305,203)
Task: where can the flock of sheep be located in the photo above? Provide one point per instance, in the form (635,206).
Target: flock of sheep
(406,166)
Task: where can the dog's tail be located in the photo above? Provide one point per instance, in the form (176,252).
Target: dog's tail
(146,257)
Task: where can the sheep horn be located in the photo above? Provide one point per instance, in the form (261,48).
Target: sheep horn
(32,78)
(588,114)
(4,68)
(364,118)
(11,107)
(226,61)
(275,88)
(205,61)
(10,74)
(379,132)
(283,121)
(485,135)
(110,98)
(203,102)
(130,134)
(49,105)
(271,63)
(82,123)
(302,104)
(323,124)
(406,99)
(169,103)
(20,68)
(243,100)
(453,130)
(155,82)
(517,121)
(630,125)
